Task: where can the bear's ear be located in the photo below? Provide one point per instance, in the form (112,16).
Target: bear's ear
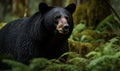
(43,8)
(71,8)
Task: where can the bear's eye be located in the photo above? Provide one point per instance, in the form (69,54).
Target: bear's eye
(57,17)
(66,17)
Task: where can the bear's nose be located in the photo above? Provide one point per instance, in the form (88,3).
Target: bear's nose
(65,28)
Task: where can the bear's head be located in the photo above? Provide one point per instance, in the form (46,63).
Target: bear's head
(57,19)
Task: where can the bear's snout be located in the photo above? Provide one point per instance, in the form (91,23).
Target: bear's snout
(65,28)
(62,26)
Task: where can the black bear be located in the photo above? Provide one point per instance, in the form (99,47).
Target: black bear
(44,34)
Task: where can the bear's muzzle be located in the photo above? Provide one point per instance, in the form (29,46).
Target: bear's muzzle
(62,26)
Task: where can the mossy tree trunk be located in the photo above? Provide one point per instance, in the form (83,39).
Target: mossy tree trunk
(56,3)
(43,1)
(5,9)
(90,11)
(70,1)
(20,8)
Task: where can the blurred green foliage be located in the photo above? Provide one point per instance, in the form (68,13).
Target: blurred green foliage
(2,25)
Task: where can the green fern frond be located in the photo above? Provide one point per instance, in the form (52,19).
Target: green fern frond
(16,66)
(109,47)
(117,55)
(69,54)
(106,63)
(103,22)
(77,61)
(62,67)
(39,64)
(93,54)
(77,29)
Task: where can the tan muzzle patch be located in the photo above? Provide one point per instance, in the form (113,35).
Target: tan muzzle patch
(61,24)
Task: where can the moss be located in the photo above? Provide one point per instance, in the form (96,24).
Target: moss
(98,10)
(69,1)
(81,48)
(86,35)
(93,11)
(80,13)
(2,25)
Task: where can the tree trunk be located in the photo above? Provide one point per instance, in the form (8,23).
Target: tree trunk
(98,10)
(43,1)
(90,11)
(26,8)
(56,3)
(71,1)
(19,8)
(6,7)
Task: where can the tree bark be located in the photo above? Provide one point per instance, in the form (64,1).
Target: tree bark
(90,11)
(6,8)
(71,1)
(56,3)
(43,1)
(19,7)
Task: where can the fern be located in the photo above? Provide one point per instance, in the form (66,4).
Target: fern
(39,64)
(77,29)
(111,47)
(93,54)
(16,66)
(110,23)
(104,63)
(70,54)
(63,67)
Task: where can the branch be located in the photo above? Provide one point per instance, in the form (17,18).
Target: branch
(112,9)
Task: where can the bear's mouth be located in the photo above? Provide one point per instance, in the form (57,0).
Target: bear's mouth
(63,31)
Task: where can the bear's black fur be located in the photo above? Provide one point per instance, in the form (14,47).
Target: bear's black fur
(44,34)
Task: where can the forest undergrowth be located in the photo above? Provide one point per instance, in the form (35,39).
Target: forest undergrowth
(90,49)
